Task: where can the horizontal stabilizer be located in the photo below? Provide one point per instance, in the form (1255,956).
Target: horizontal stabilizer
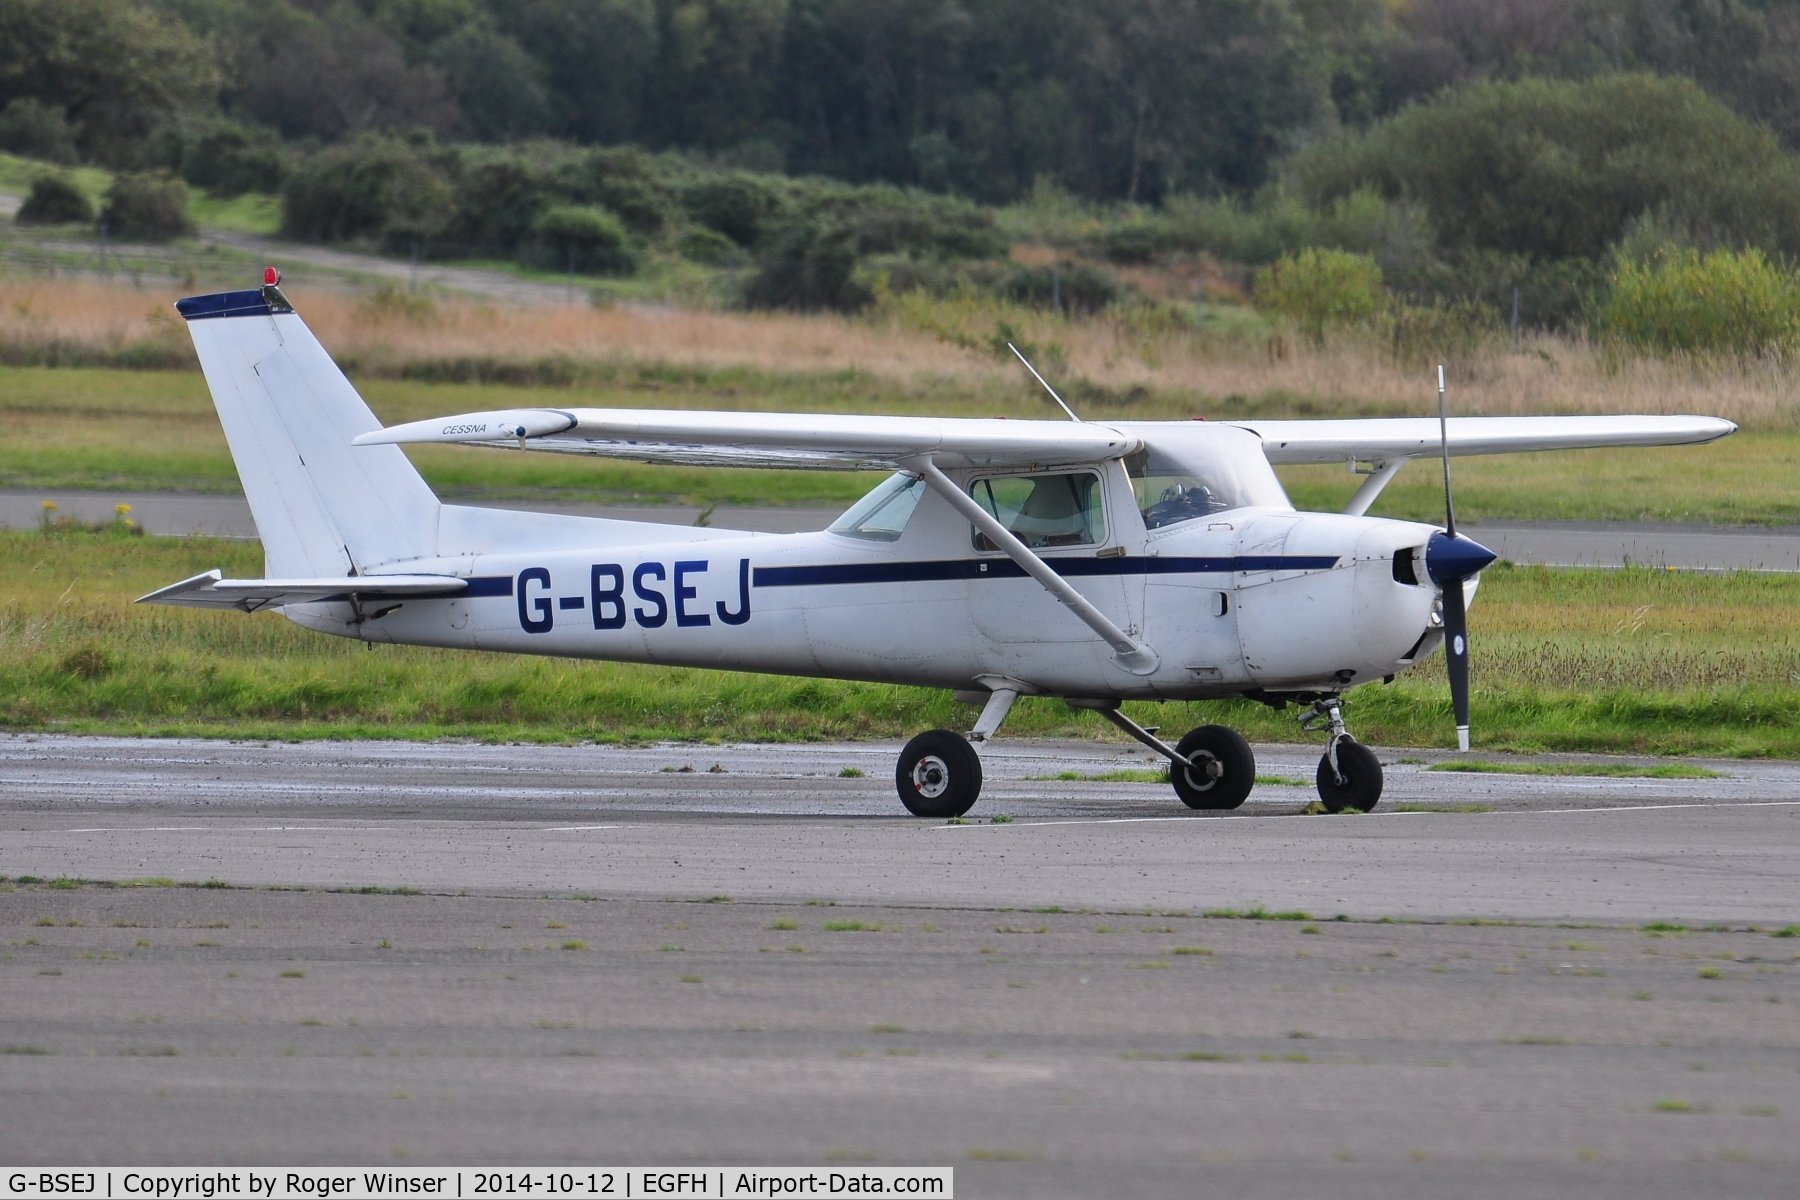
(752,439)
(211,590)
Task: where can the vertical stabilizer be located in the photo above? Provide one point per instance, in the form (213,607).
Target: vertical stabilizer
(321,507)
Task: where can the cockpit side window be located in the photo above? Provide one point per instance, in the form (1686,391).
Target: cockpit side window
(1168,491)
(1044,511)
(882,515)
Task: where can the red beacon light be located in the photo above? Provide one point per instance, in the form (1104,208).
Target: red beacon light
(271,277)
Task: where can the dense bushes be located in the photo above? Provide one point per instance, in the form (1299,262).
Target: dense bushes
(55,200)
(601,211)
(1320,290)
(1553,170)
(148,207)
(808,267)
(377,187)
(34,129)
(223,156)
(575,237)
(1725,304)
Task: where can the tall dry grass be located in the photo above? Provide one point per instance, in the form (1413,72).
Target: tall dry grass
(1164,368)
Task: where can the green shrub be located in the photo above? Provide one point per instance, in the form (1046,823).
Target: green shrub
(1138,239)
(1556,170)
(888,220)
(1725,304)
(580,238)
(55,200)
(1320,290)
(708,247)
(146,207)
(221,155)
(1276,223)
(498,199)
(1066,287)
(623,181)
(376,186)
(809,266)
(34,129)
(1454,331)
(737,204)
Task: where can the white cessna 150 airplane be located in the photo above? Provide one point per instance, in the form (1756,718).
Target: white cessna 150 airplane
(1093,561)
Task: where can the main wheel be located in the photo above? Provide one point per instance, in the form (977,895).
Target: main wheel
(1224,768)
(939,775)
(1361,786)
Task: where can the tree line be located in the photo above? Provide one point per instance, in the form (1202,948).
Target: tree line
(1459,158)
(1128,100)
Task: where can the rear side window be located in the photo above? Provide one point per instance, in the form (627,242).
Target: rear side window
(1044,511)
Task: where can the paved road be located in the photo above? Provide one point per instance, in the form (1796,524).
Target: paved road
(1572,543)
(713,955)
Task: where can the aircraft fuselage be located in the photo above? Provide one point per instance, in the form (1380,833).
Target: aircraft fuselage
(1248,599)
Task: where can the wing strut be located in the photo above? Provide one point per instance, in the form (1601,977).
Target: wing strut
(1130,654)
(1372,486)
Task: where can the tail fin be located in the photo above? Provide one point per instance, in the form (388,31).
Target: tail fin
(321,508)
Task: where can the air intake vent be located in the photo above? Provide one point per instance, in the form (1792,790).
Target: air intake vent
(1405,567)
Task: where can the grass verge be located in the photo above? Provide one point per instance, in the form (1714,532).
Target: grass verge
(1598,770)
(106,427)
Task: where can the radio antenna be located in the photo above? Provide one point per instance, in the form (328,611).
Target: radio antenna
(1040,379)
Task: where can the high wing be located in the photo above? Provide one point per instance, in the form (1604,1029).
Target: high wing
(211,590)
(752,439)
(1381,440)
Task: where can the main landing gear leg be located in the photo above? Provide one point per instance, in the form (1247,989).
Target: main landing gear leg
(1212,767)
(1349,775)
(939,773)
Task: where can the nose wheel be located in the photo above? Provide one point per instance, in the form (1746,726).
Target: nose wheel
(1349,775)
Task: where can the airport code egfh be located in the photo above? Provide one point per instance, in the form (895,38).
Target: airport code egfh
(631,1183)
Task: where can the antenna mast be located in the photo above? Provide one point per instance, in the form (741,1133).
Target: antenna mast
(1047,387)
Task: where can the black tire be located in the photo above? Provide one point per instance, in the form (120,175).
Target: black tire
(939,775)
(1214,744)
(1361,788)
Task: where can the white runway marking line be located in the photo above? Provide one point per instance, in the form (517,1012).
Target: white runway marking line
(1523,812)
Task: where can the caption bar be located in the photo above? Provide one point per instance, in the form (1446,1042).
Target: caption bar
(337,1183)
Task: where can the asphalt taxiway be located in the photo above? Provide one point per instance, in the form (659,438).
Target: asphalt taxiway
(791,823)
(354,953)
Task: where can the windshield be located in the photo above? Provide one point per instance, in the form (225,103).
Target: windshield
(881,516)
(1182,474)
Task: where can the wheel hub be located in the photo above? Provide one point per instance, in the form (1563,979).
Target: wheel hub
(931,777)
(1205,772)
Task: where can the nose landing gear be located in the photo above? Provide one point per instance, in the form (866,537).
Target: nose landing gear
(1349,775)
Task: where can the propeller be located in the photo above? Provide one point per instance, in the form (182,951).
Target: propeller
(1449,560)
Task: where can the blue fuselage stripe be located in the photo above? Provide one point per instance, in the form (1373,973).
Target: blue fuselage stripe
(487,585)
(1004,568)
(830,574)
